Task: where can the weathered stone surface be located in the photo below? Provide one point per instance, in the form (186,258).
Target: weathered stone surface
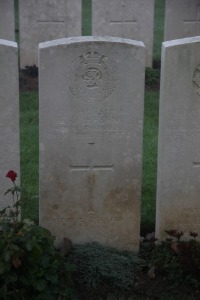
(182,19)
(91,120)
(9,117)
(7,24)
(132,19)
(46,20)
(178,188)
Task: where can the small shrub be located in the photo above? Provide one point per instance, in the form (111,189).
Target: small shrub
(31,71)
(166,262)
(103,268)
(152,78)
(30,266)
(178,261)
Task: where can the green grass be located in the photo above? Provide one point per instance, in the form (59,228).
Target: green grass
(86,17)
(29,147)
(149,160)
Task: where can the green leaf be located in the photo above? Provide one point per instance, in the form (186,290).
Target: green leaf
(18,189)
(9,191)
(2,212)
(12,278)
(7,256)
(29,245)
(53,278)
(36,252)
(2,267)
(3,291)
(40,285)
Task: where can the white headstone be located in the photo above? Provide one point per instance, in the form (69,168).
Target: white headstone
(91,120)
(9,117)
(178,186)
(46,20)
(182,19)
(7,23)
(131,19)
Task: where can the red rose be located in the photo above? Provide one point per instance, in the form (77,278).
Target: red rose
(12,175)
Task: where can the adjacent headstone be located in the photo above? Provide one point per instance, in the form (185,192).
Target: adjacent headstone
(182,19)
(131,19)
(46,20)
(7,23)
(91,120)
(178,186)
(9,117)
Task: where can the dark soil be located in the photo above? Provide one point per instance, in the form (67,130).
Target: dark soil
(27,81)
(144,289)
(160,288)
(147,289)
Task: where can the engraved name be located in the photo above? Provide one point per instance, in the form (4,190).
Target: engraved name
(94,123)
(83,219)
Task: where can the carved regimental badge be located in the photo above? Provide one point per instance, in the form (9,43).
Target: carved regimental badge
(92,77)
(196,80)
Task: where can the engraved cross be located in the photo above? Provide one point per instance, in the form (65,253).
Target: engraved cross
(124,19)
(91,168)
(52,16)
(195,20)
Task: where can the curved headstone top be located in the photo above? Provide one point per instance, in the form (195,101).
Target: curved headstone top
(91,124)
(84,39)
(180,42)
(8,43)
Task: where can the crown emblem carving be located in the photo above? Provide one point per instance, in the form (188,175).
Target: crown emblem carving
(92,57)
(92,76)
